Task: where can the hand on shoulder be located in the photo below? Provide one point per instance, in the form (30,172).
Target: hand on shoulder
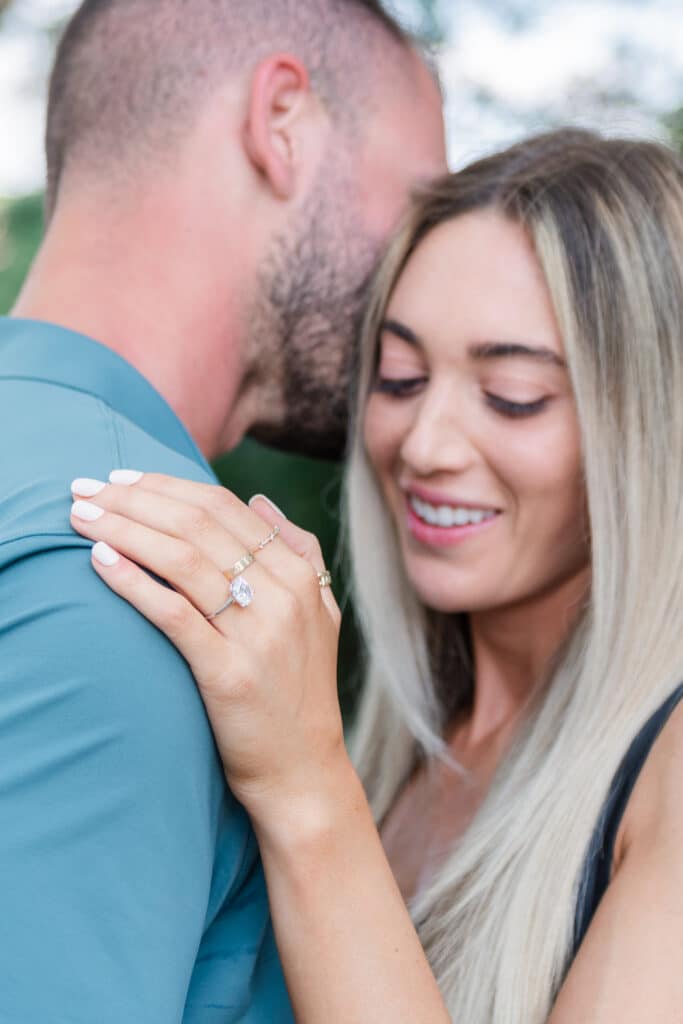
(250,610)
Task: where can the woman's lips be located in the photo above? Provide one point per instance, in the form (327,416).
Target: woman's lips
(443,536)
(435,498)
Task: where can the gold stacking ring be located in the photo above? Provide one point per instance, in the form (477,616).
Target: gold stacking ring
(240,591)
(239,567)
(269,540)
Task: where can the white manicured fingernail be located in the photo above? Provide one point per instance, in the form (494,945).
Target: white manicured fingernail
(87,488)
(87,511)
(126,477)
(271,503)
(105,555)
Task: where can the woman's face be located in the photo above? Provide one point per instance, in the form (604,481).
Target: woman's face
(471,425)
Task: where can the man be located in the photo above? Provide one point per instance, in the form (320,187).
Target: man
(221,179)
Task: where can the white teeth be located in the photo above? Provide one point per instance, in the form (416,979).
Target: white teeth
(426,512)
(447,515)
(443,516)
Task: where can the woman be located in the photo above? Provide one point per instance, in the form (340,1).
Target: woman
(516,527)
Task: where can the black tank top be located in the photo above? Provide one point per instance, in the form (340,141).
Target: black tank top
(596,870)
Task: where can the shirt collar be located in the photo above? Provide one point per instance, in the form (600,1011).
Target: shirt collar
(36,350)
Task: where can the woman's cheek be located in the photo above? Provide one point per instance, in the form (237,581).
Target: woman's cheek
(546,459)
(544,473)
(383,433)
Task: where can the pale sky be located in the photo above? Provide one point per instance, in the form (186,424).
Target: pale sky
(549,71)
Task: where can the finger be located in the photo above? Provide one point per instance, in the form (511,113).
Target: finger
(156,500)
(177,561)
(171,486)
(302,542)
(200,644)
(167,503)
(217,500)
(224,506)
(219,543)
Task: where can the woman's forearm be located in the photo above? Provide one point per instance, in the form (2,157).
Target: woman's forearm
(268,680)
(348,946)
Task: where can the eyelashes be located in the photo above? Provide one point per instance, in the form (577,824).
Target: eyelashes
(515,409)
(398,388)
(410,386)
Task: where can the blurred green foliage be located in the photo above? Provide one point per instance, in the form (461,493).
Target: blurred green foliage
(674,125)
(307,490)
(21,228)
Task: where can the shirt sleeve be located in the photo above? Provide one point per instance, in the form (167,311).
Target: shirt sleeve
(110,791)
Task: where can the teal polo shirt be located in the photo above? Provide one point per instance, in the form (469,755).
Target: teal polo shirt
(131,889)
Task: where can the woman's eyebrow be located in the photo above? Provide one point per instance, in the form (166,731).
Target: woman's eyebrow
(504,349)
(402,332)
(482,350)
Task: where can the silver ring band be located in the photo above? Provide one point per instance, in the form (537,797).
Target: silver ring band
(240,593)
(214,615)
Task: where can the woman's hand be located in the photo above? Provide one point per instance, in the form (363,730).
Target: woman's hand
(266,672)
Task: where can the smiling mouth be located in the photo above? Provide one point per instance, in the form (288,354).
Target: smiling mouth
(448,516)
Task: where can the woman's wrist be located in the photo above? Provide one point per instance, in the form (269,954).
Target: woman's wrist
(334,901)
(311,815)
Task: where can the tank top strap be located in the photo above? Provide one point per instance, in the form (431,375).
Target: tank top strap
(598,863)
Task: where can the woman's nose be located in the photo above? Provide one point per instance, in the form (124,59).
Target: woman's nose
(438,439)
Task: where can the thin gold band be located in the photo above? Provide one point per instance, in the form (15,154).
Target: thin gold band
(249,556)
(239,567)
(269,540)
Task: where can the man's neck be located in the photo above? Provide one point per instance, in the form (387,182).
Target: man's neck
(158,315)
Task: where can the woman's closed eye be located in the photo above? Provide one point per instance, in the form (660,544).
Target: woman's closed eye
(399,387)
(512,409)
(407,387)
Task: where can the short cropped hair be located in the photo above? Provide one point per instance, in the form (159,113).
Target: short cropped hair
(130,75)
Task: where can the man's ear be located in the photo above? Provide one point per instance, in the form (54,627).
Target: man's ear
(273,134)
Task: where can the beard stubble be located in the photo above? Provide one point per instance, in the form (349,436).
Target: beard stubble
(306,323)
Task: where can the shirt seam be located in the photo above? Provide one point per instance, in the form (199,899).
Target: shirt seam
(114,433)
(194,453)
(110,413)
(36,536)
(55,384)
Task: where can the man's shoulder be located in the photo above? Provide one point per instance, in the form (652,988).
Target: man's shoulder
(91,660)
(71,646)
(113,798)
(59,613)
(59,434)
(112,794)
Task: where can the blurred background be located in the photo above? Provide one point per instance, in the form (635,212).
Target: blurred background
(509,67)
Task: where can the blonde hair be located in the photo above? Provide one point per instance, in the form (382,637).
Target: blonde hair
(606,220)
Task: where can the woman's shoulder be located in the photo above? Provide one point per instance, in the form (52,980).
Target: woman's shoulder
(643,810)
(654,811)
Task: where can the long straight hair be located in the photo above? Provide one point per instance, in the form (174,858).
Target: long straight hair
(606,221)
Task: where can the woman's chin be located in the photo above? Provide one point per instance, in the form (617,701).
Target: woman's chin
(443,599)
(435,590)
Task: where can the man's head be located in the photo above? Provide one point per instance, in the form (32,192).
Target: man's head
(301,123)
